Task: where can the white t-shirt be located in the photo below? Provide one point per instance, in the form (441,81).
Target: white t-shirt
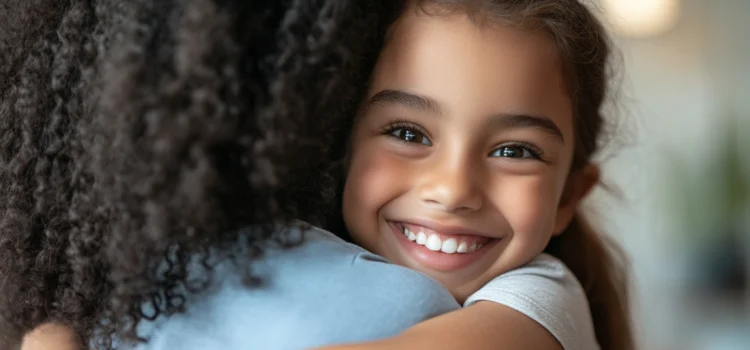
(546,291)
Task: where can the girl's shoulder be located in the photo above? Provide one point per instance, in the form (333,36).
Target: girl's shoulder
(548,292)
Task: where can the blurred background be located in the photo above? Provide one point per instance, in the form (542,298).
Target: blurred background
(681,162)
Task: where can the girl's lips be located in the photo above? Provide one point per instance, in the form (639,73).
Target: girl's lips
(438,250)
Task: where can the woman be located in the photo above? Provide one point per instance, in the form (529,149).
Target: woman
(150,148)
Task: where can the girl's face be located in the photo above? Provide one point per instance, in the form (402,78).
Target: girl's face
(460,158)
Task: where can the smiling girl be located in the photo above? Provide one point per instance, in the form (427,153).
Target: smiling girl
(468,162)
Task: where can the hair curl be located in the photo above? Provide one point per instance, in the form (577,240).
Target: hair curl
(134,133)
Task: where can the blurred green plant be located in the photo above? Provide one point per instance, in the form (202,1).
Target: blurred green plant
(715,196)
(709,204)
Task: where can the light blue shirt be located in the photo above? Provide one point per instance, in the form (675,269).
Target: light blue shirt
(322,292)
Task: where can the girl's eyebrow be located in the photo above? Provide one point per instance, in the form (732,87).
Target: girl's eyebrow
(518,121)
(390,97)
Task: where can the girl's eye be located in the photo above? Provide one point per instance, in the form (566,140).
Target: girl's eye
(515,151)
(410,135)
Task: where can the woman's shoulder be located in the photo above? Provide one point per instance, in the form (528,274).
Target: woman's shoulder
(319,292)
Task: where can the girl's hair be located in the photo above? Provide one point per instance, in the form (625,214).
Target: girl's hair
(585,51)
(136,134)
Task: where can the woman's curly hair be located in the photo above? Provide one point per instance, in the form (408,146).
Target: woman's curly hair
(135,134)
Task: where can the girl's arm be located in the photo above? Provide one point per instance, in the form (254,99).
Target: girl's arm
(50,337)
(483,325)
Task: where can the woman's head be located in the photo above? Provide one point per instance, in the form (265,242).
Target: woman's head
(472,149)
(142,131)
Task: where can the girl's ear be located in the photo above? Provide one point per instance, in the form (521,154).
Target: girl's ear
(578,186)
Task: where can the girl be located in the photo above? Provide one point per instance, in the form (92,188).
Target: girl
(469,159)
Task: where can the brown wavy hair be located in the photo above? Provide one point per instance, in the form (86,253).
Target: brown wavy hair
(137,133)
(586,52)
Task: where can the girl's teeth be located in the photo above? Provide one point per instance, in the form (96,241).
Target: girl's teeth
(462,248)
(433,243)
(449,246)
(421,238)
(409,235)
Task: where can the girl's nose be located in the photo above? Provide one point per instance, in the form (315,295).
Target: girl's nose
(452,187)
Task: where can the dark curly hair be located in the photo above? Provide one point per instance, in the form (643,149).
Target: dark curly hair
(135,134)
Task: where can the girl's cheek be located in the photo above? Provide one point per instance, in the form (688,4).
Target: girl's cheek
(375,172)
(528,205)
(373,181)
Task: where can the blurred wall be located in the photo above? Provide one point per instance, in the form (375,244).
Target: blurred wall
(679,91)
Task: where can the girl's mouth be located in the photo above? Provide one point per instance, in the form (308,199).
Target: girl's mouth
(436,242)
(438,250)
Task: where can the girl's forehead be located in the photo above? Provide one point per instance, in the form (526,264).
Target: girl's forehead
(477,70)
